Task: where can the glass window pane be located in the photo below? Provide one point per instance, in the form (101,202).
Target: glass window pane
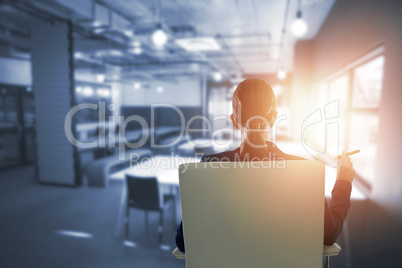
(363,136)
(338,93)
(367,84)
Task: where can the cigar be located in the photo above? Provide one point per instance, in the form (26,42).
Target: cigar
(348,154)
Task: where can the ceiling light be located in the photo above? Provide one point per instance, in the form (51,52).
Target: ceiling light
(217,76)
(98,30)
(100,78)
(109,53)
(136,50)
(129,33)
(78,89)
(136,85)
(79,55)
(159,37)
(281,74)
(136,44)
(88,91)
(159,89)
(299,26)
(104,92)
(198,44)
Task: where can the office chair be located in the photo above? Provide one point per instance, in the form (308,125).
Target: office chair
(143,194)
(246,215)
(329,251)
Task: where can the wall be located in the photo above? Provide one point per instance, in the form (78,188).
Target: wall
(301,85)
(353,28)
(15,72)
(183,91)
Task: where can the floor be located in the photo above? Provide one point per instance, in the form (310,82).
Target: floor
(53,226)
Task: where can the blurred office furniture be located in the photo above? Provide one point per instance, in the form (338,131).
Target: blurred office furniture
(166,124)
(98,171)
(329,251)
(253,215)
(195,146)
(17,131)
(164,169)
(92,93)
(205,146)
(165,139)
(143,194)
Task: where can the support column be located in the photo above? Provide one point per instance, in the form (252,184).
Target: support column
(53,87)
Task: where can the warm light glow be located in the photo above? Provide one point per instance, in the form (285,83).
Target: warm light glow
(159,89)
(299,27)
(100,78)
(159,37)
(281,74)
(136,85)
(218,76)
(277,89)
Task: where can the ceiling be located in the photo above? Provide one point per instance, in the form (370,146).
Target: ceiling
(254,35)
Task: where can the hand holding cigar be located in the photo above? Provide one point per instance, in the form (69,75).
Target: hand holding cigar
(348,154)
(346,172)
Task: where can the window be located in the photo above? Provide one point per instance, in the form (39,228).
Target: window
(338,93)
(364,116)
(367,84)
(358,89)
(363,136)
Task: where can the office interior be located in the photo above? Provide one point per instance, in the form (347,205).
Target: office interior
(73,73)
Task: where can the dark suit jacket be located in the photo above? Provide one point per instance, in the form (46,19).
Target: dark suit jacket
(335,211)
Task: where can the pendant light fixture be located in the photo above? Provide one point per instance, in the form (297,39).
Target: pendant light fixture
(299,26)
(159,37)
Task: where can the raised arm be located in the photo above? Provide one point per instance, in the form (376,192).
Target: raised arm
(337,209)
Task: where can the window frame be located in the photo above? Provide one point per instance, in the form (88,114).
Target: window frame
(348,71)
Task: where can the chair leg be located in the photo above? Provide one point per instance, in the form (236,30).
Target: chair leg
(174,214)
(147,227)
(326,261)
(160,228)
(127,222)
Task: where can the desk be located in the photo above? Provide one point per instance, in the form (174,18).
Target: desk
(218,145)
(164,168)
